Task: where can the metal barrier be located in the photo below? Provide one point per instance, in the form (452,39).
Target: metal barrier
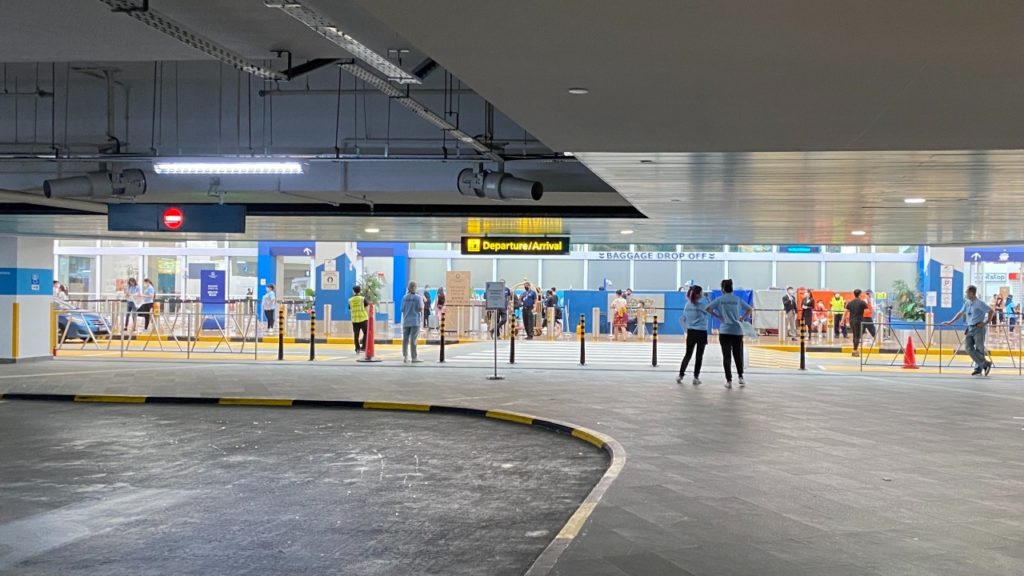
(940,344)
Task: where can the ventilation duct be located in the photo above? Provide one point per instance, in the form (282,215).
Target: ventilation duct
(498,186)
(127,183)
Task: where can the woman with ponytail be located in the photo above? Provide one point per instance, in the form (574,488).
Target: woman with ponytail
(696,319)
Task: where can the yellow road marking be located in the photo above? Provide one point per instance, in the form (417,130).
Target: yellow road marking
(510,416)
(576,521)
(588,437)
(115,398)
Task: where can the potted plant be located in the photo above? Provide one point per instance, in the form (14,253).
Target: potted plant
(909,303)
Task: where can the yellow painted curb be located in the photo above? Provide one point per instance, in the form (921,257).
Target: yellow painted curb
(588,437)
(256,401)
(576,521)
(115,398)
(510,417)
(273,340)
(396,406)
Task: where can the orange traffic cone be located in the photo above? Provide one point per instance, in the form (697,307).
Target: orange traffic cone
(369,351)
(909,362)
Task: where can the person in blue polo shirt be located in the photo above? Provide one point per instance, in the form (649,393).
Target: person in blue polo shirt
(731,311)
(978,315)
(695,317)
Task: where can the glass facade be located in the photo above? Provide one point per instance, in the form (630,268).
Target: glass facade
(654,276)
(848,275)
(613,274)
(77,274)
(798,274)
(750,275)
(563,274)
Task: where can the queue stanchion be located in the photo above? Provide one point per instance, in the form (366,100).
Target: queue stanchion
(312,334)
(369,352)
(280,332)
(654,340)
(803,343)
(440,360)
(512,336)
(583,340)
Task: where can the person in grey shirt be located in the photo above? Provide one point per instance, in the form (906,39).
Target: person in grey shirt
(412,319)
(978,315)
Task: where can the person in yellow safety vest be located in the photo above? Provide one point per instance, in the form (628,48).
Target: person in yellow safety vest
(838,309)
(360,318)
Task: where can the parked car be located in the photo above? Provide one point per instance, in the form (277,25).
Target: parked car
(82,321)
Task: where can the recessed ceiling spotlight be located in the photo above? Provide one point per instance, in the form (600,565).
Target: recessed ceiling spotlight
(858,232)
(579,91)
(372,230)
(625,232)
(570,154)
(914,200)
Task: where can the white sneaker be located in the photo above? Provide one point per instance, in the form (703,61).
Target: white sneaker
(742,383)
(728,384)
(696,381)
(679,380)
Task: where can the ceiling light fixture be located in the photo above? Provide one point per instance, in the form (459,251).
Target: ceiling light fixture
(227,167)
(914,200)
(331,31)
(372,230)
(858,232)
(578,91)
(569,154)
(625,232)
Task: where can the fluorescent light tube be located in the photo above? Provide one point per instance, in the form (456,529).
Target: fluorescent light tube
(227,167)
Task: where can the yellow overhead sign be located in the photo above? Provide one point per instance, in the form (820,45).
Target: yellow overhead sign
(515,245)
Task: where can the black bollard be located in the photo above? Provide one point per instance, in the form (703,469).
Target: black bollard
(280,333)
(441,359)
(654,338)
(512,338)
(312,334)
(583,340)
(803,345)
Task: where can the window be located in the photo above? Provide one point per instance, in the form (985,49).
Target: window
(428,246)
(609,247)
(116,272)
(563,274)
(242,279)
(752,248)
(120,244)
(896,249)
(656,247)
(847,249)
(166,274)
(886,273)
(194,268)
(701,248)
(613,274)
(654,275)
(295,277)
(709,275)
(750,275)
(428,271)
(514,270)
(77,274)
(847,275)
(798,274)
(480,270)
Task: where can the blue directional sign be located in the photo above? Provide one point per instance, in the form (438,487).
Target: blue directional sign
(994,254)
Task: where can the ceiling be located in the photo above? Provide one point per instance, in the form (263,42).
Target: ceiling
(794,121)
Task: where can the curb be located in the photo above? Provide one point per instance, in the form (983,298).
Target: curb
(541,566)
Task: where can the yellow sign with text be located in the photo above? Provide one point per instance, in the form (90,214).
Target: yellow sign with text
(515,245)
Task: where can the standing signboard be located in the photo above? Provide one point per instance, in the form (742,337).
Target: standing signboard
(494,298)
(212,295)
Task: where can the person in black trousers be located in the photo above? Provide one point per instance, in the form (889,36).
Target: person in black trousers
(807,311)
(696,319)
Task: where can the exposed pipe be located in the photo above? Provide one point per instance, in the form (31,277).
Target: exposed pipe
(36,197)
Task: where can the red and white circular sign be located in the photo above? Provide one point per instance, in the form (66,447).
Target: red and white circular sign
(173,218)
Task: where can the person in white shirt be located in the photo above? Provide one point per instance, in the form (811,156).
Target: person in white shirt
(148,297)
(133,295)
(269,306)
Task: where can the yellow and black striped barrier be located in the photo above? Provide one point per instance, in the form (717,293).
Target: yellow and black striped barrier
(803,343)
(280,333)
(654,340)
(582,331)
(441,359)
(312,333)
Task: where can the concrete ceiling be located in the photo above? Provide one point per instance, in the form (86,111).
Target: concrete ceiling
(794,121)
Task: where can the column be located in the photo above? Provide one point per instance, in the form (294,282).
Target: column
(26,296)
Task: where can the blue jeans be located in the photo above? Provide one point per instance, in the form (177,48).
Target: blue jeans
(974,344)
(409,335)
